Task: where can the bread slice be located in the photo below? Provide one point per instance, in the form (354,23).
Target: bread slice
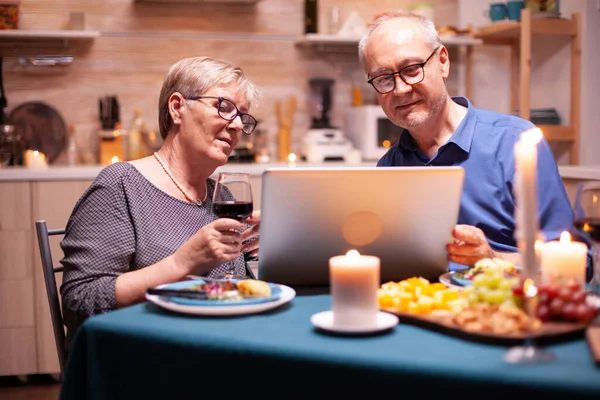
(253,288)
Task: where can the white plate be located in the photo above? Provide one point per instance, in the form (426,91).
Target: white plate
(324,320)
(287,294)
(446,279)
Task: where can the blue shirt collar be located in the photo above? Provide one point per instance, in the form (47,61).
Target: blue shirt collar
(462,137)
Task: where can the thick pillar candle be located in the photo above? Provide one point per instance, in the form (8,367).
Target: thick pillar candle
(354,280)
(564,259)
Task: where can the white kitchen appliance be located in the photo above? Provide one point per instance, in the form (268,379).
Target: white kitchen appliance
(326,144)
(323,142)
(370,131)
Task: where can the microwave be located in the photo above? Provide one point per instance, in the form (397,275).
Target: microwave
(370,131)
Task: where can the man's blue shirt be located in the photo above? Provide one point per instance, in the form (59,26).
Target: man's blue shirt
(483,144)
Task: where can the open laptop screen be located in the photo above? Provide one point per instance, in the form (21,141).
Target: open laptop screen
(403,215)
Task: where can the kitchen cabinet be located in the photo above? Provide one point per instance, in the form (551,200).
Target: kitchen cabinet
(17,321)
(26,337)
(52,201)
(518,35)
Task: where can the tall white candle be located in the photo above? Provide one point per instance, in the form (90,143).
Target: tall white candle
(354,280)
(564,259)
(526,198)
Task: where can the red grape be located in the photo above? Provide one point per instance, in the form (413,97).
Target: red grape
(543,312)
(565,294)
(556,306)
(569,311)
(584,313)
(573,285)
(579,296)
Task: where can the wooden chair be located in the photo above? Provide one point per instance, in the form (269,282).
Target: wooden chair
(43,235)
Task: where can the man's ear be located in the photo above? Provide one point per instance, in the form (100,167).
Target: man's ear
(444,62)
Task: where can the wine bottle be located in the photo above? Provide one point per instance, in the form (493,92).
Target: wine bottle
(310,16)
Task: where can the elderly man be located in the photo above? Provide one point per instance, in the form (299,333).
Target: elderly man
(407,65)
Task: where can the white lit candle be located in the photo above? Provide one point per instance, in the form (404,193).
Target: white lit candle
(35,160)
(115,159)
(564,259)
(291,160)
(526,198)
(354,282)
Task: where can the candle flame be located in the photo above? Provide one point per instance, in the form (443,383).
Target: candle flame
(291,157)
(115,159)
(529,287)
(36,153)
(565,237)
(532,136)
(353,254)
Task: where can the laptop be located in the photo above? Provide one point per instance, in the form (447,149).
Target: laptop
(403,215)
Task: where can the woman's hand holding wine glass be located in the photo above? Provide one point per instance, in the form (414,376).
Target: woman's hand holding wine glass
(232,199)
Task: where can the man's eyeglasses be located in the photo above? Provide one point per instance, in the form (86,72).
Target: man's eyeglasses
(411,75)
(228,111)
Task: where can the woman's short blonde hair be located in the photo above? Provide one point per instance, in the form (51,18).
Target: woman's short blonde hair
(430,33)
(195,76)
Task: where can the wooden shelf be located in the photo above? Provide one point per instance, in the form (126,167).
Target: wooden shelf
(511,30)
(40,35)
(558,133)
(518,36)
(350,44)
(17,43)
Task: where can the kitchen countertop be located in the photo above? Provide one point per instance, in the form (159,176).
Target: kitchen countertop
(85,172)
(60,173)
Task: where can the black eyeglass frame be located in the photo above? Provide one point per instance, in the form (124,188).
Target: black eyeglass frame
(237,111)
(399,73)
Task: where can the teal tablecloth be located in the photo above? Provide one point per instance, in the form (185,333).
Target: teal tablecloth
(144,352)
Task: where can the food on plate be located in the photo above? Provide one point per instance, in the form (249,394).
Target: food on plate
(253,288)
(418,296)
(218,290)
(495,319)
(494,287)
(564,300)
(234,291)
(497,264)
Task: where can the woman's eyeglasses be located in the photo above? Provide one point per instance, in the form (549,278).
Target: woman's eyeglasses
(411,75)
(228,111)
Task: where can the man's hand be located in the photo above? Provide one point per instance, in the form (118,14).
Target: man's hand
(470,245)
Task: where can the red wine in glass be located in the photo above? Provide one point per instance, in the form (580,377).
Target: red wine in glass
(232,198)
(238,210)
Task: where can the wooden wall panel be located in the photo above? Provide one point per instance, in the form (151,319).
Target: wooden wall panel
(140,41)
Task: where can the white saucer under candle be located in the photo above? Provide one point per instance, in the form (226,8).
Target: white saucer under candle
(354,282)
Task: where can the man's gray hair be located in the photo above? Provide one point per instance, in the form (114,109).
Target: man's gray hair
(195,76)
(426,25)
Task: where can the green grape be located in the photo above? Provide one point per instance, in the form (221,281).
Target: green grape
(480,281)
(494,281)
(506,285)
(494,296)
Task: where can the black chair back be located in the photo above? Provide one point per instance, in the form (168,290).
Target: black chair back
(43,235)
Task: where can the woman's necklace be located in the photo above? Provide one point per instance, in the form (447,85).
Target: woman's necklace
(189,198)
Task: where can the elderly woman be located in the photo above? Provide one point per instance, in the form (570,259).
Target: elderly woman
(150,221)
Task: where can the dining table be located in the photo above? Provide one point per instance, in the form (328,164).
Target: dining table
(148,352)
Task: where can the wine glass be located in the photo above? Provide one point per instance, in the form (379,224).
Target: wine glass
(529,353)
(587,221)
(232,198)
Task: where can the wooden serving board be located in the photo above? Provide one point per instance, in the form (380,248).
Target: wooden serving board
(550,332)
(592,335)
